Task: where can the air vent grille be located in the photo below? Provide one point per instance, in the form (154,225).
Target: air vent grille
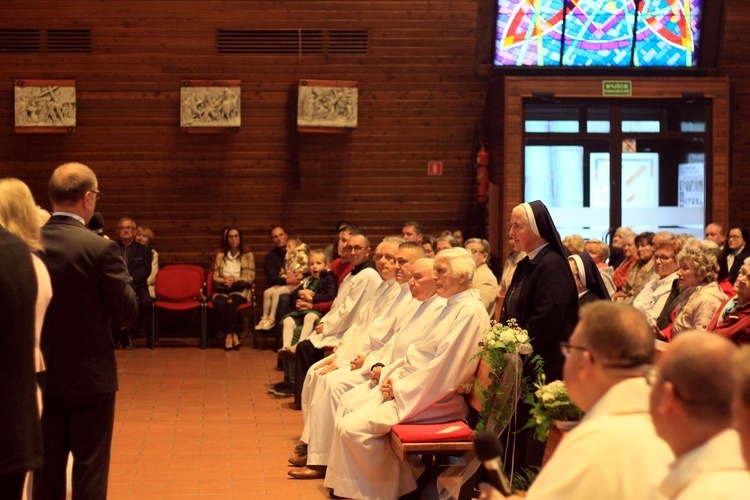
(52,41)
(293,42)
(69,41)
(20,41)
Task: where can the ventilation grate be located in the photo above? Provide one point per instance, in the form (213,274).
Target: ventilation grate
(292,42)
(347,42)
(69,41)
(53,41)
(20,41)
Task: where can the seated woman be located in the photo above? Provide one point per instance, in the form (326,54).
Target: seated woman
(588,278)
(642,270)
(574,243)
(732,320)
(701,295)
(445,240)
(234,272)
(295,262)
(616,255)
(654,295)
(629,258)
(145,236)
(429,244)
(736,251)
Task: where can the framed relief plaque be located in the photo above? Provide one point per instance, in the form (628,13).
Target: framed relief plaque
(208,106)
(327,106)
(45,106)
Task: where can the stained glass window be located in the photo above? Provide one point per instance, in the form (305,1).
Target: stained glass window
(661,33)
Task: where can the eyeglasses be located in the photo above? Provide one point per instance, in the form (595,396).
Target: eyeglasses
(355,248)
(735,236)
(126,228)
(566,347)
(232,236)
(663,257)
(97,193)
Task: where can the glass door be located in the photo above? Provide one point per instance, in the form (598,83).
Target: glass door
(601,164)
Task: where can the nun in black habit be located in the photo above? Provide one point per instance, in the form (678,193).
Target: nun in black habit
(542,296)
(543,299)
(588,279)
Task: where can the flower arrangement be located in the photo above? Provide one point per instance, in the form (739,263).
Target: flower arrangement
(551,404)
(502,346)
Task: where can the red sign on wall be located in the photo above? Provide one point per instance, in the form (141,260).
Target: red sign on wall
(434,168)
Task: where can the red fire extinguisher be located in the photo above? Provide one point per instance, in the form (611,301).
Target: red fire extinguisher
(483,174)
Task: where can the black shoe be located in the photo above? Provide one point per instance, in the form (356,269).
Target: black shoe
(285,391)
(277,387)
(129,346)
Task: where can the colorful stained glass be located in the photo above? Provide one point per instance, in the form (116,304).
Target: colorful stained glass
(598,33)
(529,33)
(668,33)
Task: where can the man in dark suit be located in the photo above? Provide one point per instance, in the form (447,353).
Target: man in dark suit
(92,294)
(138,261)
(20,438)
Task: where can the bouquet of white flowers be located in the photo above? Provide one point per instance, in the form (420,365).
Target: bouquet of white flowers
(551,404)
(508,337)
(504,349)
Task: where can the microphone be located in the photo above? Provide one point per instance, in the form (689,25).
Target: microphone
(489,450)
(96,224)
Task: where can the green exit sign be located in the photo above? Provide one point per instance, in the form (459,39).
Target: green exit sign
(617,87)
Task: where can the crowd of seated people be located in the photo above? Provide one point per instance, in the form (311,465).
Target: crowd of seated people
(365,304)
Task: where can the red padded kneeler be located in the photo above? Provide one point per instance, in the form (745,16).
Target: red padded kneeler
(456,430)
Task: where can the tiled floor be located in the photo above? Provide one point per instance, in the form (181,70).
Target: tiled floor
(200,423)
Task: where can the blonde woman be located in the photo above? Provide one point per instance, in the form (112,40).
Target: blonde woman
(19,216)
(145,236)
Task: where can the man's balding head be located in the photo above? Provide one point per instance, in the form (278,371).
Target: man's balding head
(617,334)
(692,390)
(73,188)
(610,343)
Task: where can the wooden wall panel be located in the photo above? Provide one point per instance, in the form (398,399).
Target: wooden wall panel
(734,63)
(421,93)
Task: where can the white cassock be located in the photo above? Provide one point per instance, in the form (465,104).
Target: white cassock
(392,353)
(355,291)
(361,463)
(317,431)
(379,301)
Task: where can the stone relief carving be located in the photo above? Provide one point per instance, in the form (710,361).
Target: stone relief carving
(210,107)
(327,106)
(50,106)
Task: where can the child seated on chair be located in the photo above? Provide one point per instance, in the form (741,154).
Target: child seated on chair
(295,262)
(319,286)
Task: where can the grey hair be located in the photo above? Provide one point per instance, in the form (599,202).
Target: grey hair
(485,244)
(460,261)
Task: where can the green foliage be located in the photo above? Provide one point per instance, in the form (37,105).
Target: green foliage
(550,402)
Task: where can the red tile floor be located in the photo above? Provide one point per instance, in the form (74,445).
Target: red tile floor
(194,423)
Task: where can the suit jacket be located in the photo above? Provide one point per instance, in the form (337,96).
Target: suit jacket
(20,436)
(739,261)
(139,264)
(93,293)
(542,297)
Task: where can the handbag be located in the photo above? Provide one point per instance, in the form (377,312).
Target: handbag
(236,287)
